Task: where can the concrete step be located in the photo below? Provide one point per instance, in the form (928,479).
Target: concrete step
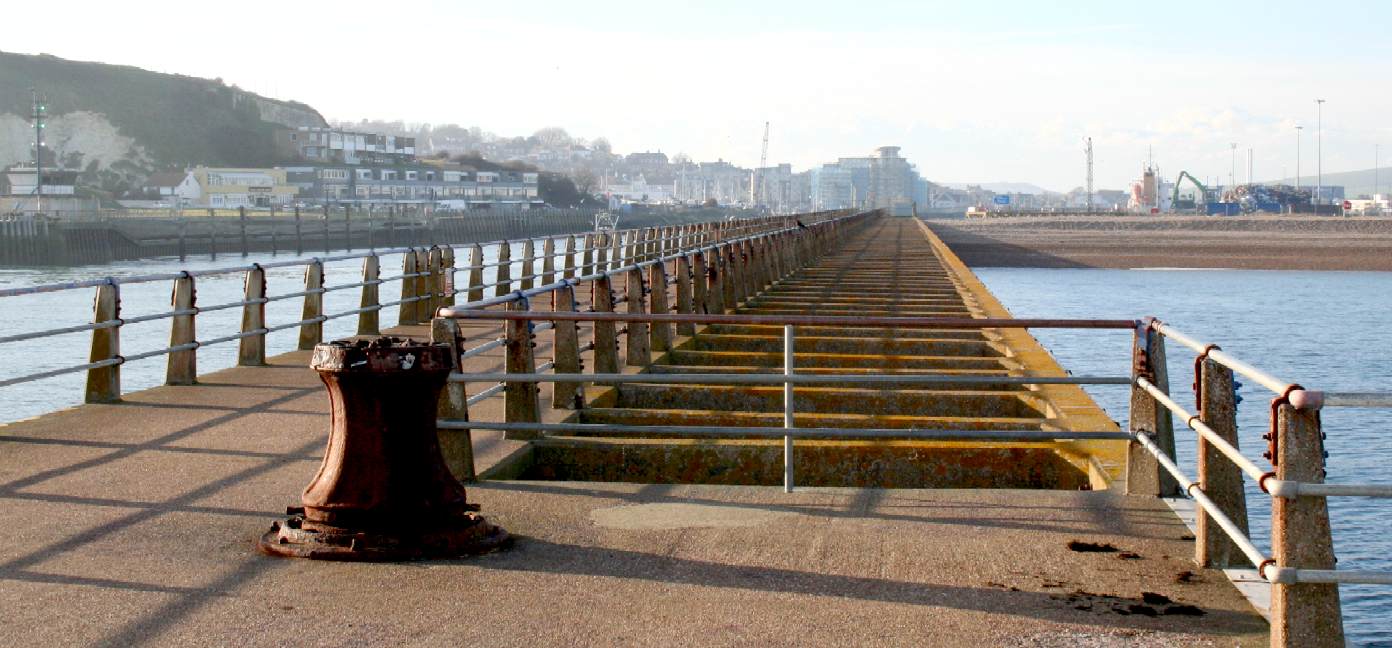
(775,330)
(862,345)
(691,417)
(914,402)
(834,360)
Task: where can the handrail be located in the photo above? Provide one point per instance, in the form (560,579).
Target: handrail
(427,283)
(468,312)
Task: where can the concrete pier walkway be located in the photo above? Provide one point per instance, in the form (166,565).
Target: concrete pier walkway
(136,522)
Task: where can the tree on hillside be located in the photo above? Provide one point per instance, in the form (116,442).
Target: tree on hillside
(602,145)
(553,137)
(585,181)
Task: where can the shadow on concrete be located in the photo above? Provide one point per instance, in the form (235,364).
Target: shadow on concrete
(535,555)
(978,250)
(1107,517)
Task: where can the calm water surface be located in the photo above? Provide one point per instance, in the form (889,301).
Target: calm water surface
(1324,330)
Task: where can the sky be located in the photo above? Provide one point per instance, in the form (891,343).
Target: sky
(972,91)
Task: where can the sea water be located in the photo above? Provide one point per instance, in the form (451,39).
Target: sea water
(1324,330)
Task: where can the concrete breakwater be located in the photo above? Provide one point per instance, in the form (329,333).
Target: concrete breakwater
(1171,241)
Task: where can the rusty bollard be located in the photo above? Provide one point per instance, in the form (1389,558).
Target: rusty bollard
(383,491)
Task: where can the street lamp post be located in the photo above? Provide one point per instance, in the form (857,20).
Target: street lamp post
(1319,150)
(1297,157)
(1232,175)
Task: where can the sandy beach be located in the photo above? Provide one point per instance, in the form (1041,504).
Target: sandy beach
(1124,241)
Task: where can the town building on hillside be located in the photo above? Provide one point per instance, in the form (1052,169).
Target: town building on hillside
(169,184)
(315,144)
(231,188)
(882,179)
(449,185)
(23,180)
(720,181)
(20,193)
(637,191)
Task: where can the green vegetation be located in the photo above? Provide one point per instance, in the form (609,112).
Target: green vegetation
(178,120)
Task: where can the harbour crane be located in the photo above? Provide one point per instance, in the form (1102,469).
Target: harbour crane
(763,160)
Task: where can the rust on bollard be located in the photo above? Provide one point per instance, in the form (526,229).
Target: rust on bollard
(383,491)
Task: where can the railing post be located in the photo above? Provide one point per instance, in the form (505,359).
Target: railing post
(182,367)
(606,336)
(639,353)
(661,332)
(616,258)
(475,274)
(569,266)
(548,261)
(447,270)
(369,321)
(685,302)
(104,383)
(520,403)
(504,270)
(251,351)
(587,259)
(789,357)
(1219,477)
(700,286)
(566,350)
(433,285)
(1144,476)
(312,330)
(1302,614)
(410,265)
(528,263)
(456,446)
(729,270)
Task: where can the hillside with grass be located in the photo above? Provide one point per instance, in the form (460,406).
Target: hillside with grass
(121,121)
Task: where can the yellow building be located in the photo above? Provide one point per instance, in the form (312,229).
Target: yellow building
(223,188)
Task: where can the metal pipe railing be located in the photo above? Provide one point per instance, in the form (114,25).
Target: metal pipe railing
(780,432)
(1276,385)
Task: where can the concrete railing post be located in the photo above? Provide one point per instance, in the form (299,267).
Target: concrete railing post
(475,274)
(568,269)
(1302,614)
(616,257)
(660,332)
(447,269)
(729,277)
(369,320)
(312,330)
(566,348)
(104,383)
(606,336)
(410,265)
(456,446)
(504,273)
(639,353)
(1144,476)
(601,254)
(700,285)
(587,258)
(548,262)
(685,301)
(528,264)
(434,285)
(251,351)
(182,367)
(520,402)
(1219,477)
